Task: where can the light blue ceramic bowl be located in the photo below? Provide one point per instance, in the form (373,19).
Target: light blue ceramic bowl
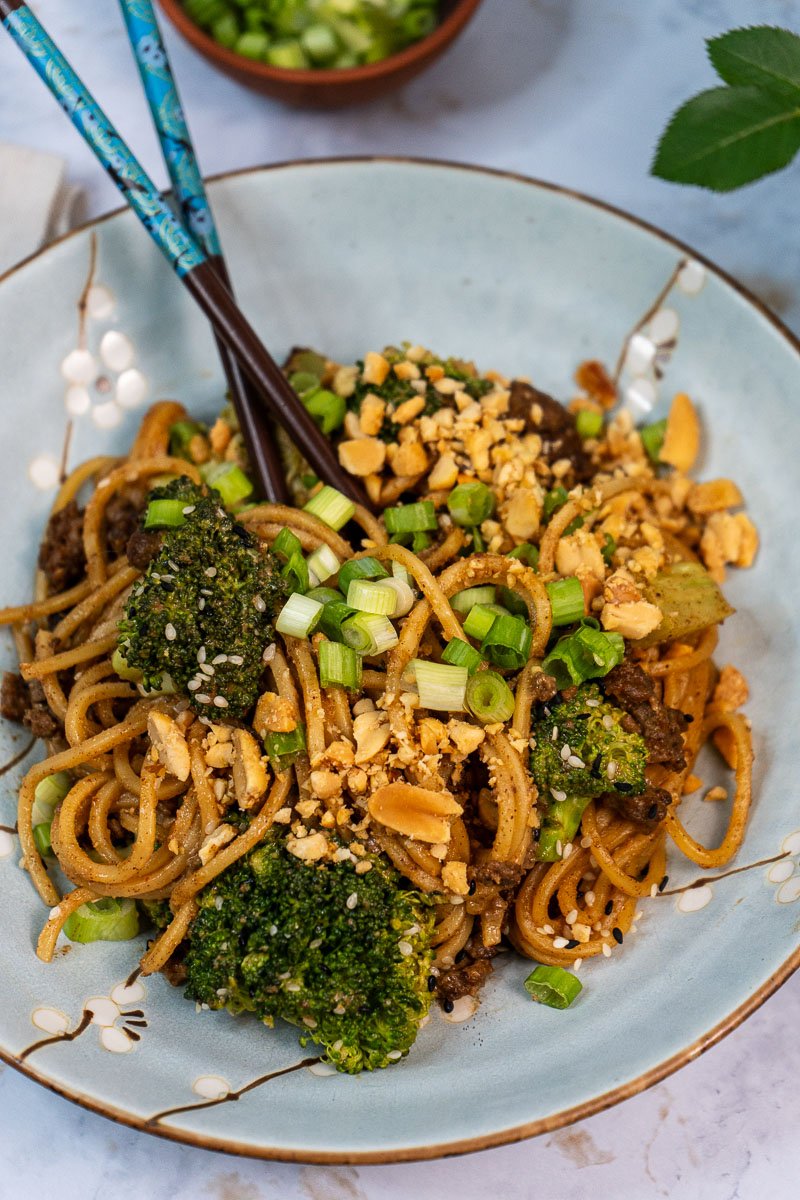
(525,278)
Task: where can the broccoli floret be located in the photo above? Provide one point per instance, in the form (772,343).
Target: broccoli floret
(155,913)
(345,957)
(211,591)
(582,750)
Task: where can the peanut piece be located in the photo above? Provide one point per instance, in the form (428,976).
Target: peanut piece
(415,812)
(170,745)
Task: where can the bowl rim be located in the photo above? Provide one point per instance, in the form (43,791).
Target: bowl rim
(428,47)
(594,1104)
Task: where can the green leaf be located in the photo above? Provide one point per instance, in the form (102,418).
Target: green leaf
(759,56)
(727,137)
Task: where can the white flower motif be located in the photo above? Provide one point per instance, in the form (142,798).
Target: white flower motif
(117,1022)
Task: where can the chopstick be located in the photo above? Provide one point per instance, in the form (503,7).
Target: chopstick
(175,139)
(194,269)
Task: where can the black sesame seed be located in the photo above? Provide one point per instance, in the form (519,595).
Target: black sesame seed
(663,883)
(609,907)
(537,833)
(472,886)
(616,933)
(571,944)
(448,1006)
(652,812)
(431,983)
(460,956)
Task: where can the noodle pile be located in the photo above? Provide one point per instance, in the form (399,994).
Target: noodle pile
(131,828)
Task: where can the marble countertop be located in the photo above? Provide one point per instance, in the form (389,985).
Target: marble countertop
(573,91)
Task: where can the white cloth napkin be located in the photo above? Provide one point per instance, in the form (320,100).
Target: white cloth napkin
(36,202)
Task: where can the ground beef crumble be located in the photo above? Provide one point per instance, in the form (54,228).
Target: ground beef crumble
(61,555)
(25,703)
(554,424)
(661,727)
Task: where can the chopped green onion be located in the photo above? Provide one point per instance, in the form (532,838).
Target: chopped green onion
(566,600)
(478,544)
(106,920)
(230,481)
(481,618)
(283,748)
(165,514)
(360,568)
(459,653)
(553,986)
(560,827)
(575,523)
(508,642)
(411,518)
(441,686)
(252,45)
(554,500)
(323,563)
(296,573)
(369,597)
(653,438)
(339,666)
(181,436)
(304,381)
(527,553)
(608,548)
(334,615)
(288,54)
(41,838)
(588,653)
(512,600)
(51,790)
(120,665)
(330,506)
(588,423)
(401,572)
(471,504)
(489,698)
(319,42)
(404,593)
(369,634)
(309,362)
(327,409)
(299,616)
(286,544)
(325,595)
(464,602)
(419,541)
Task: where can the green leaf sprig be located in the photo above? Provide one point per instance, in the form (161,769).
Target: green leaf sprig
(729,136)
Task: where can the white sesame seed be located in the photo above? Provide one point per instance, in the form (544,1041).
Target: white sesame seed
(559,943)
(293,987)
(220,702)
(567,850)
(606,950)
(315,945)
(269,653)
(574,761)
(558,795)
(405,948)
(608,721)
(173,566)
(559,848)
(220,658)
(201,604)
(394,1055)
(273,929)
(352,900)
(589,898)
(571,916)
(611,770)
(193,685)
(170,632)
(554,734)
(565,752)
(201,654)
(202,698)
(654,891)
(210,572)
(548,929)
(206,592)
(592,703)
(167,578)
(207,670)
(189,509)
(236,659)
(259,604)
(586,842)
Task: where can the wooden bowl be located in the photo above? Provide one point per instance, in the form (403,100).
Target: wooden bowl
(328,88)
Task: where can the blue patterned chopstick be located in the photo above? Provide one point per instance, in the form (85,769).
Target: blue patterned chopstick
(92,123)
(168,117)
(170,123)
(194,268)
